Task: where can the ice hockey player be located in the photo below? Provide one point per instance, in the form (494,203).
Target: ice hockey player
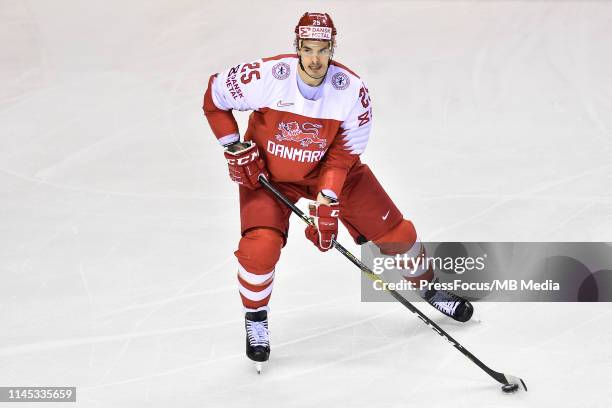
(311,120)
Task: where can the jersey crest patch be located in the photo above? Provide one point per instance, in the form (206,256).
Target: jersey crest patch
(340,81)
(305,135)
(281,71)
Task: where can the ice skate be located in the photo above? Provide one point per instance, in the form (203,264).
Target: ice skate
(451,305)
(257,338)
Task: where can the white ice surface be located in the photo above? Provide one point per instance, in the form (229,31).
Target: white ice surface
(117,221)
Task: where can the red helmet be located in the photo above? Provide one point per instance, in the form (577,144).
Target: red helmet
(315,26)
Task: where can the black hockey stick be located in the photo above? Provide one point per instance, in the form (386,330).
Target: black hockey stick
(510,382)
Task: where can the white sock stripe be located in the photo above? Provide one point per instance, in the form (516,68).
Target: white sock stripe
(255,296)
(413,253)
(417,272)
(253,278)
(415,249)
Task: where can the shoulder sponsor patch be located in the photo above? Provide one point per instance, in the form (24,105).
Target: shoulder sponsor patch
(232,84)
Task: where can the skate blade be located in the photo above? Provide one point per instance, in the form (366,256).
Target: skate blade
(259,366)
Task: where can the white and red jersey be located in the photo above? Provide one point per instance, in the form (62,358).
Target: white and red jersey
(308,142)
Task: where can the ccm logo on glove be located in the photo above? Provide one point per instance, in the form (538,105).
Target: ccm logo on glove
(245,164)
(241,161)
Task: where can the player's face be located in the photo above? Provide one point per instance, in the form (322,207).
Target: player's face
(315,56)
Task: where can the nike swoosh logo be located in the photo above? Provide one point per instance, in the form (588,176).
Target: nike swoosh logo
(386,215)
(282,104)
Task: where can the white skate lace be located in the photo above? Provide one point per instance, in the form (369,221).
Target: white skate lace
(258,333)
(440,301)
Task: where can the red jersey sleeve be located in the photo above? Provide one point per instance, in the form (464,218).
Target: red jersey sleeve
(349,143)
(222,122)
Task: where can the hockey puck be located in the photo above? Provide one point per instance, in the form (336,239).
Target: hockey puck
(509,388)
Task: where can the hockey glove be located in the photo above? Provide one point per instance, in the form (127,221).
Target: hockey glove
(245,164)
(327,225)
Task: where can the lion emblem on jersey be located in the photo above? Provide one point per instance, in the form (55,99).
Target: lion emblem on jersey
(305,135)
